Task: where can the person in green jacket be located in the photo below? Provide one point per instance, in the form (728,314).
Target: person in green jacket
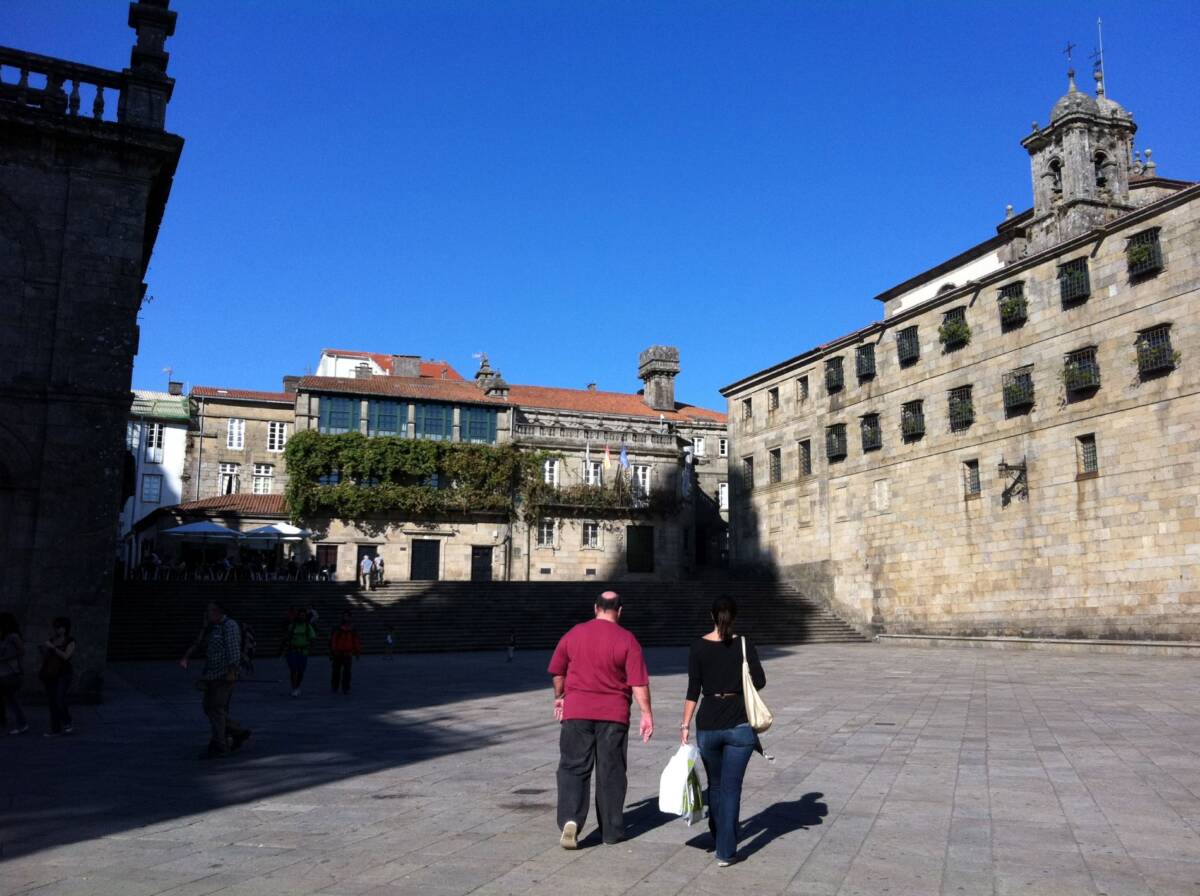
(296,643)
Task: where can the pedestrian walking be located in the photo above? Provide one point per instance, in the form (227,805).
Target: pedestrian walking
(297,641)
(12,653)
(723,732)
(366,568)
(222,640)
(596,668)
(344,649)
(378,569)
(57,673)
(512,645)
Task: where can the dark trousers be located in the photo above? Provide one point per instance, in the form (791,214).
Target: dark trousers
(726,753)
(217,695)
(342,663)
(56,698)
(10,692)
(582,745)
(297,662)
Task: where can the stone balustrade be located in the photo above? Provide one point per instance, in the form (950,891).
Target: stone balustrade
(538,432)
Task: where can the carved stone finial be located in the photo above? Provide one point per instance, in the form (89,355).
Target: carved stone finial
(148,89)
(1008,212)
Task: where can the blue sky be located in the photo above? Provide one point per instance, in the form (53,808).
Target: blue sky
(561,184)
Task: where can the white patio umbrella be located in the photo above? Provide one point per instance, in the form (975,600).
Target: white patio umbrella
(278,532)
(203,531)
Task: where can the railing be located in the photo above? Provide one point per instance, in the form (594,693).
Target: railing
(41,83)
(597,437)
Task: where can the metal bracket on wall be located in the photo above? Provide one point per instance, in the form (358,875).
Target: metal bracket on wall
(1016,481)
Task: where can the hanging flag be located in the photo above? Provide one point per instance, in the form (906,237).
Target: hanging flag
(624,458)
(607,457)
(587,454)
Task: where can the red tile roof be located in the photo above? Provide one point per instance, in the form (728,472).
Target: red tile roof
(595,402)
(402,387)
(244,394)
(250,505)
(436,370)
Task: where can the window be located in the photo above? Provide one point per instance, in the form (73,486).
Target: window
(1081,373)
(338,415)
(971,478)
(1154,352)
(954,332)
(908,346)
(1018,390)
(872,436)
(154,443)
(276,436)
(550,471)
(264,475)
(961,409)
(235,433)
(747,411)
(1056,176)
(478,425)
(804,447)
(1012,306)
(151,488)
(775,465)
(387,418)
(591,535)
(835,441)
(230,482)
(912,420)
(1089,464)
(1073,283)
(434,421)
(1143,253)
(802,389)
(545,533)
(333,477)
(834,378)
(722,495)
(722,447)
(748,473)
(772,400)
(641,481)
(864,362)
(698,446)
(593,473)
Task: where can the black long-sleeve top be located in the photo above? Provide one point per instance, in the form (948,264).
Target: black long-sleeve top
(715,667)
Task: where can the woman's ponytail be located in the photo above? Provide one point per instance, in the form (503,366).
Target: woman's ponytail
(724,611)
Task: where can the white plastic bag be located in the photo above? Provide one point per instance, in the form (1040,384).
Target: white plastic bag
(679,785)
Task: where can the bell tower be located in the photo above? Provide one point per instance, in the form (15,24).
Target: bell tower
(1080,164)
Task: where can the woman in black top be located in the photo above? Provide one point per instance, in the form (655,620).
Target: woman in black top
(723,734)
(56,674)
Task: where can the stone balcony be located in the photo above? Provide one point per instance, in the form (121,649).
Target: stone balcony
(557,435)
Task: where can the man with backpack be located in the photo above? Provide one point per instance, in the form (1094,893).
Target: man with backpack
(344,649)
(222,662)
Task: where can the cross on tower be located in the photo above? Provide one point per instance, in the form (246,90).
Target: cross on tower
(1067,51)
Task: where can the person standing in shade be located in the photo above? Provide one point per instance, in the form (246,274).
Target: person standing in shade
(596,668)
(723,733)
(297,641)
(12,651)
(344,649)
(379,570)
(56,675)
(366,569)
(222,658)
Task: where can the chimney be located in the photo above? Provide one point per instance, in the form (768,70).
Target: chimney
(291,383)
(657,368)
(174,387)
(406,365)
(591,387)
(362,371)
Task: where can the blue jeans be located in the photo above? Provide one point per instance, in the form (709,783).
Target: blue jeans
(726,753)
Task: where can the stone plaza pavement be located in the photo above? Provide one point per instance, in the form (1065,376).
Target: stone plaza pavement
(896,771)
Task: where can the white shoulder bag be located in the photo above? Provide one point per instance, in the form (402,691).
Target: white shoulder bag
(757,714)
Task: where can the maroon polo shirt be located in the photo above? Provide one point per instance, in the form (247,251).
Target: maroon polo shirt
(602,663)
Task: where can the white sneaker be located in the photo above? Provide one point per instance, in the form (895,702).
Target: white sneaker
(569,840)
(295,692)
(20,730)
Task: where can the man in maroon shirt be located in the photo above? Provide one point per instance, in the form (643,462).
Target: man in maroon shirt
(596,667)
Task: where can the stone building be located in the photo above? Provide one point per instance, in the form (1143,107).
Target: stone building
(237,441)
(1012,449)
(156,440)
(85,170)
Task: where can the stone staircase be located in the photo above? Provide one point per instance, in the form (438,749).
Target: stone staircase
(157,620)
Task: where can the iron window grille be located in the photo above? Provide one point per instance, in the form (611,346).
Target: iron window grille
(971,484)
(908,346)
(912,420)
(772,401)
(1081,372)
(835,441)
(834,378)
(1143,253)
(954,332)
(775,465)
(1154,352)
(1088,461)
(872,436)
(1074,285)
(802,388)
(1013,309)
(961,408)
(1018,389)
(748,473)
(805,449)
(747,411)
(864,362)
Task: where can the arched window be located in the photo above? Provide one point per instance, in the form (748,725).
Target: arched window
(1101,163)
(1056,175)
